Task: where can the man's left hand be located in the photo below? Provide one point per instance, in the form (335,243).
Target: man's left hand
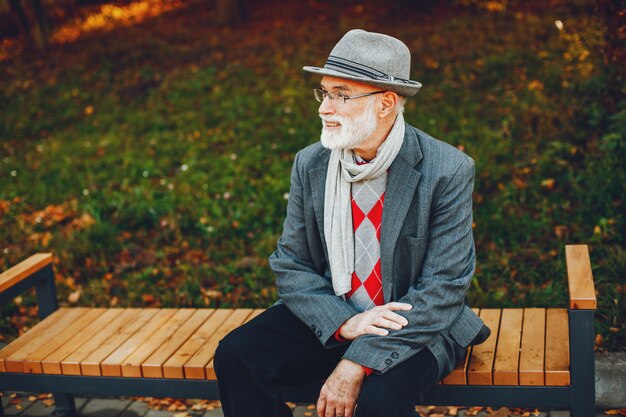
(341,391)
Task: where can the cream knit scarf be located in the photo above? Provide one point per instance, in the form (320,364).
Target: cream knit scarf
(342,171)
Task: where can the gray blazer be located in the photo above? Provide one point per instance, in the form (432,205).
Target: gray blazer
(427,254)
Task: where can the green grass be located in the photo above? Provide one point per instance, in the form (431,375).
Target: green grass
(155,163)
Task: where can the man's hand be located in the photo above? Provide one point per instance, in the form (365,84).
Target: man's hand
(341,390)
(375,321)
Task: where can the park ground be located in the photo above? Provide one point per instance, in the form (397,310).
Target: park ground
(150,150)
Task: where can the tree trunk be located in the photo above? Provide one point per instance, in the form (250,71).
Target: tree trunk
(41,25)
(18,11)
(230,12)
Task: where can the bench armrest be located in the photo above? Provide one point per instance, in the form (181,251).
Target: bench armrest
(582,293)
(35,271)
(23,270)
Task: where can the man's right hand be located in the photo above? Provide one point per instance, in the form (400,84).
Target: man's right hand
(375,321)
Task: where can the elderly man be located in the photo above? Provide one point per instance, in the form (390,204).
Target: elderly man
(375,257)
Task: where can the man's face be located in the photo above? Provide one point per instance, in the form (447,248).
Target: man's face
(347,125)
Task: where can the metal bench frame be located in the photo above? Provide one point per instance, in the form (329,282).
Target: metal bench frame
(579,396)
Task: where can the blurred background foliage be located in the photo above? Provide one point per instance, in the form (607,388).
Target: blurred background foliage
(148,144)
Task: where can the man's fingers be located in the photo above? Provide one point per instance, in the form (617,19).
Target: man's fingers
(389,324)
(330,410)
(395,317)
(321,405)
(371,329)
(394,305)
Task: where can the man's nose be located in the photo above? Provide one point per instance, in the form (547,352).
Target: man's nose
(326,106)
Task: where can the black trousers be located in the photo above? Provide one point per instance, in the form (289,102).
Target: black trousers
(276,349)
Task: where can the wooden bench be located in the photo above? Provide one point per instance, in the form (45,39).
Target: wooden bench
(535,357)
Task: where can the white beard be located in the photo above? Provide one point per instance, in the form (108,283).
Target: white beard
(353,132)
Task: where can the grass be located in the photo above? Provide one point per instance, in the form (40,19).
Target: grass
(154,160)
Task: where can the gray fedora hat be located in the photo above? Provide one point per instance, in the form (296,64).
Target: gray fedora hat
(371,58)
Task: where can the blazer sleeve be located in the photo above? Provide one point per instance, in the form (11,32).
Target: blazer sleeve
(306,293)
(437,296)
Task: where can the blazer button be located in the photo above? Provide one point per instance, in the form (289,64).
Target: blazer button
(388,362)
(395,355)
(319,333)
(313,327)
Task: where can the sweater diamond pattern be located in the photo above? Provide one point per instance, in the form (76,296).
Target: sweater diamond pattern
(368,199)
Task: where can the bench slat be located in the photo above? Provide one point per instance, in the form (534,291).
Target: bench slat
(152,367)
(41,336)
(557,347)
(23,269)
(195,367)
(112,365)
(458,376)
(33,364)
(173,368)
(91,354)
(52,363)
(30,335)
(532,355)
(255,313)
(131,366)
(482,356)
(582,292)
(506,363)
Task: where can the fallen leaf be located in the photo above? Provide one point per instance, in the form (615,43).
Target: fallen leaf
(453,411)
(548,183)
(73,297)
(501,412)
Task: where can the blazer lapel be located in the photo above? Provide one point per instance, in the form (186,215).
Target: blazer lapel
(402,182)
(317,178)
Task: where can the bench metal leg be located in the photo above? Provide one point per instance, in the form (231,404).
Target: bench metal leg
(63,405)
(582,365)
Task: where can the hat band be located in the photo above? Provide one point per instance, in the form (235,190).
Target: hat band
(359,70)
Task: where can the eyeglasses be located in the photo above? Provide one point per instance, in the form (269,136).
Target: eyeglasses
(320,95)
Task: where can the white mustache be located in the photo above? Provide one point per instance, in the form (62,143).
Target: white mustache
(339,120)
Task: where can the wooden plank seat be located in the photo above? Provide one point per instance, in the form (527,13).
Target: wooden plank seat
(526,347)
(534,358)
(132,342)
(180,343)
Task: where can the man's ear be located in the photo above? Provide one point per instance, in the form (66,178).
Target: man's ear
(389,102)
